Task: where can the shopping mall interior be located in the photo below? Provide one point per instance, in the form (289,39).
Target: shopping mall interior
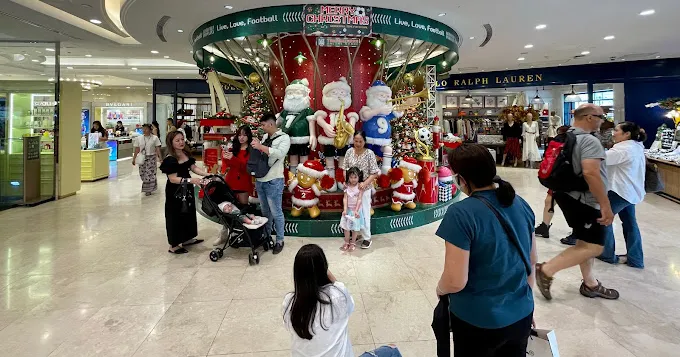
(93,206)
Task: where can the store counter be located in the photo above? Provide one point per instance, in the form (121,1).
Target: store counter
(120,147)
(670,174)
(94,164)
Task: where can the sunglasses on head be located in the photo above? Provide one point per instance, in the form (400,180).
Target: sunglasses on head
(601,116)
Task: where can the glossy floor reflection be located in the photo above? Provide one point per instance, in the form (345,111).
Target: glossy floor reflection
(90,276)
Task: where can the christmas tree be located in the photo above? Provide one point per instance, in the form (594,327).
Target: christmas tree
(403,142)
(255,105)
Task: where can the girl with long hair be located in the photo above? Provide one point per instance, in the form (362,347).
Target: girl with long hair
(180,208)
(490,254)
(317,312)
(236,159)
(626,165)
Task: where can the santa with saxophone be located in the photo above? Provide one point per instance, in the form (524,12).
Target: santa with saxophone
(337,127)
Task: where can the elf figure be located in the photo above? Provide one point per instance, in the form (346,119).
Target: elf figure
(306,187)
(297,120)
(403,182)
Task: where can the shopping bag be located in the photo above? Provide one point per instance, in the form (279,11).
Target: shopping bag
(542,343)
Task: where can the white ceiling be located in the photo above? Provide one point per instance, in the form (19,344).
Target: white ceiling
(572,27)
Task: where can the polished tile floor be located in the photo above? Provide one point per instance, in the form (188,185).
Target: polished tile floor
(90,276)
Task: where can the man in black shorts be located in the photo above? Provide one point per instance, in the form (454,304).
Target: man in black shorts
(587,213)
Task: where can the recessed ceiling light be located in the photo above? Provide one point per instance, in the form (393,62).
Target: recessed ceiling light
(472,37)
(127,87)
(228,7)
(192,52)
(442,14)
(49,49)
(560,64)
(658,56)
(541,26)
(134,68)
(532,66)
(647,12)
(34,60)
(529,46)
(609,38)
(88,56)
(177,77)
(69,67)
(166,56)
(521,59)
(585,53)
(154,51)
(623,59)
(42,74)
(590,62)
(95,21)
(180,30)
(506,67)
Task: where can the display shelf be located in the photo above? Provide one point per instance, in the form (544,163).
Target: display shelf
(670,175)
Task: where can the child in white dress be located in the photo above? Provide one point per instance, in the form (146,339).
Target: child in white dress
(352,217)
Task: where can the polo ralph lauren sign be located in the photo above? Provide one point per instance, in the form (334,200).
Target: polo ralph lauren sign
(479,81)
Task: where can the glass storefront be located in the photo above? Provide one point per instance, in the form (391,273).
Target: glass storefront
(28,121)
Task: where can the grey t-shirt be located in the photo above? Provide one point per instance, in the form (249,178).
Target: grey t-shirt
(587,147)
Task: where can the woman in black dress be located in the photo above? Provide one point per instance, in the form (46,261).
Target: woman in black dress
(512,133)
(180,222)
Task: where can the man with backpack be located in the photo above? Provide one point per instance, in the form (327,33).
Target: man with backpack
(575,170)
(266,165)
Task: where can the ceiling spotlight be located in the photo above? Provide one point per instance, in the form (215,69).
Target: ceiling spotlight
(228,7)
(609,38)
(541,26)
(442,14)
(529,46)
(472,37)
(521,59)
(134,68)
(166,56)
(34,60)
(88,56)
(585,53)
(647,12)
(658,56)
(95,21)
(154,51)
(180,30)
(69,67)
(127,87)
(49,49)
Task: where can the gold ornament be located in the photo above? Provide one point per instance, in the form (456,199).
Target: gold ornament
(408,78)
(254,78)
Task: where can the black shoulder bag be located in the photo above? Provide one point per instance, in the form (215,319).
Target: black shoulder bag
(508,231)
(258,162)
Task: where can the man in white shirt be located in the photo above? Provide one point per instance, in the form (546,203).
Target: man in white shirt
(270,187)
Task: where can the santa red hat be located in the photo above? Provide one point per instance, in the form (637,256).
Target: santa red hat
(339,84)
(410,163)
(312,168)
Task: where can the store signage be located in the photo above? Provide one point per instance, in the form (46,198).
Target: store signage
(336,20)
(32,147)
(119,105)
(293,18)
(338,41)
(490,80)
(44,104)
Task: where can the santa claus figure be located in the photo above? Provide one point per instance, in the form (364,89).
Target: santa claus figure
(336,95)
(376,116)
(404,181)
(297,120)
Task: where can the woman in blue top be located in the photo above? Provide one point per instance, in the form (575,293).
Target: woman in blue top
(488,276)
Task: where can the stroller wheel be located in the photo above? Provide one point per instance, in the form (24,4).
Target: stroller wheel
(257,259)
(265,245)
(220,252)
(251,259)
(214,255)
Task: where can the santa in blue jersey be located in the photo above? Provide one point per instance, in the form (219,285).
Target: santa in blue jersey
(376,116)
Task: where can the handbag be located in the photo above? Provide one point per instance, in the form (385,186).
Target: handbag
(258,162)
(142,155)
(653,182)
(181,194)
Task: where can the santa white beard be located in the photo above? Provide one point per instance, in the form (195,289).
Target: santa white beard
(333,103)
(295,104)
(375,103)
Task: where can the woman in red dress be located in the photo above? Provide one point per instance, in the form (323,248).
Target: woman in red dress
(236,159)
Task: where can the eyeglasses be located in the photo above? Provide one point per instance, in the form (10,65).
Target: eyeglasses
(601,116)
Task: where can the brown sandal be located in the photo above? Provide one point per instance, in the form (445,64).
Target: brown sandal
(543,281)
(598,291)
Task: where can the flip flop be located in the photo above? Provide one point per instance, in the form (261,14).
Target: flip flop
(178,251)
(194,241)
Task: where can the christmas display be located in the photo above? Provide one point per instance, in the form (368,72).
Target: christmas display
(403,182)
(336,127)
(297,120)
(306,187)
(255,105)
(376,116)
(403,140)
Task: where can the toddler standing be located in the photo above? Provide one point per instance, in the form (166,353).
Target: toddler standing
(352,218)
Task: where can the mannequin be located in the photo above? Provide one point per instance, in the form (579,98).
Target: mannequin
(554,122)
(512,132)
(530,150)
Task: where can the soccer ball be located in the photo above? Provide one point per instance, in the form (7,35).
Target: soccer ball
(425,135)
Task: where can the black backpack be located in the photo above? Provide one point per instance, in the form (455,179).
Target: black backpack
(557,170)
(258,162)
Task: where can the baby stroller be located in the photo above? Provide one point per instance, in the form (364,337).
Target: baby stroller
(239,234)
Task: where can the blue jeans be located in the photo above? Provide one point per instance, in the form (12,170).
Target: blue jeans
(270,194)
(384,351)
(631,233)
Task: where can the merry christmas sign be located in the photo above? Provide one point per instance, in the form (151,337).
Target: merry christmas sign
(337,20)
